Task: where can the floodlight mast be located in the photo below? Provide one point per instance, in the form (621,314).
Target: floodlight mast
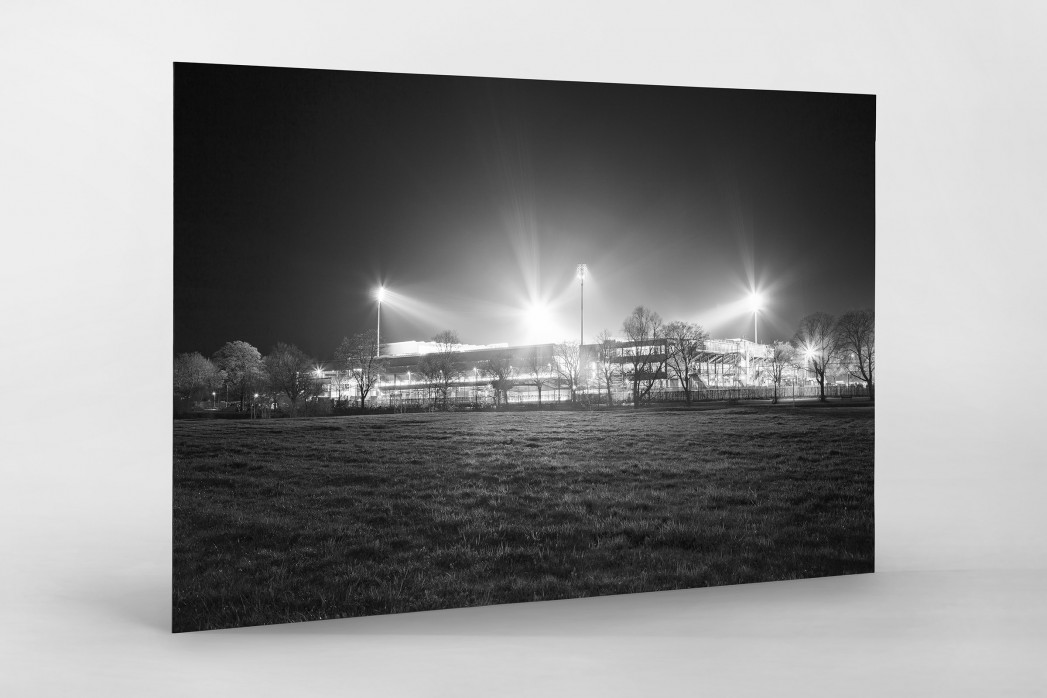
(756,300)
(379,294)
(582,268)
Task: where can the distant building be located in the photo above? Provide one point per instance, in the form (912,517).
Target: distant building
(722,364)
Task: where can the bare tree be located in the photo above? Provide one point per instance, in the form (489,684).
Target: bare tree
(608,367)
(502,374)
(781,357)
(856,339)
(290,372)
(534,366)
(443,367)
(341,377)
(643,354)
(815,341)
(242,364)
(358,355)
(431,374)
(685,342)
(566,358)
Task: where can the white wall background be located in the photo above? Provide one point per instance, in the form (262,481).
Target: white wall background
(85,188)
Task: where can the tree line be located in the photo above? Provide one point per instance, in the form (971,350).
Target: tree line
(825,343)
(240,370)
(649,350)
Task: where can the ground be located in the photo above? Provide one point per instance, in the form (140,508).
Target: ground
(302,519)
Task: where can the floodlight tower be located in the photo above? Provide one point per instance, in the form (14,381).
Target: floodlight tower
(582,268)
(379,295)
(756,302)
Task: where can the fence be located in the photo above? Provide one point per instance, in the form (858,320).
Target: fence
(762,393)
(520,396)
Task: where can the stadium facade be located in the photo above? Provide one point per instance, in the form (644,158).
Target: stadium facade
(553,373)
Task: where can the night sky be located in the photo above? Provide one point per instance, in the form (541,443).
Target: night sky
(297,192)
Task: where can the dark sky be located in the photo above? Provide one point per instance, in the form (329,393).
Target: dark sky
(298,192)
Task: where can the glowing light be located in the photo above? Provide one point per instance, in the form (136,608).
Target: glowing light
(379,294)
(755,301)
(582,269)
(537,317)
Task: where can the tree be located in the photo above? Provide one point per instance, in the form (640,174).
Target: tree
(643,360)
(443,367)
(566,360)
(502,374)
(289,371)
(194,373)
(856,339)
(685,342)
(782,356)
(341,378)
(242,364)
(430,372)
(607,364)
(359,356)
(534,365)
(218,379)
(815,341)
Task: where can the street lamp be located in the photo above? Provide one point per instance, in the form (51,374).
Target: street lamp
(756,303)
(212,400)
(582,268)
(379,295)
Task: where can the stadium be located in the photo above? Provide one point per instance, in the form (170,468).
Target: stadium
(551,373)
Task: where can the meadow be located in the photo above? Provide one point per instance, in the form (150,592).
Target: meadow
(305,519)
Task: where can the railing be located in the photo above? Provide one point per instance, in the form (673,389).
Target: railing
(484,399)
(785,392)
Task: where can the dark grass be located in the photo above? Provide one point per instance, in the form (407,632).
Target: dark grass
(292,520)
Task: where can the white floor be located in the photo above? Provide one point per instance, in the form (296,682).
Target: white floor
(889,634)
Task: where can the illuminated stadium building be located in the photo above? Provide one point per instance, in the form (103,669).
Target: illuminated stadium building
(605,370)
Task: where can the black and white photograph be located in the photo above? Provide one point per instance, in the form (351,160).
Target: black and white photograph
(563,348)
(446,341)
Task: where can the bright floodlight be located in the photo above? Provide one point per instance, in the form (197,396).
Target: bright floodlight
(582,268)
(537,316)
(380,294)
(755,301)
(537,319)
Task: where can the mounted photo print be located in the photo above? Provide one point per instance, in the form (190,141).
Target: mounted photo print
(453,341)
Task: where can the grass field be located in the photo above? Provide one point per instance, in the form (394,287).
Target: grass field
(292,520)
